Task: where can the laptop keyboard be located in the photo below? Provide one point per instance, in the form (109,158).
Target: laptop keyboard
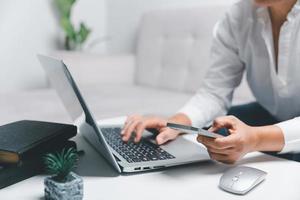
(141,152)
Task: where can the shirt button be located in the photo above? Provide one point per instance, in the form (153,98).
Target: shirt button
(236,178)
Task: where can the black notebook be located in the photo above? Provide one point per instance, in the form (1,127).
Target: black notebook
(30,166)
(23,138)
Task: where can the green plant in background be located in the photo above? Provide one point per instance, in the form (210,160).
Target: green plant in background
(74,38)
(60,164)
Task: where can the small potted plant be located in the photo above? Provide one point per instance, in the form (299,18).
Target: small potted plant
(74,38)
(63,184)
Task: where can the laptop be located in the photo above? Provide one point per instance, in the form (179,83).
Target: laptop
(124,157)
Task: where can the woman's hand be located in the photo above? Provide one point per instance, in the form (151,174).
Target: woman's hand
(137,124)
(242,139)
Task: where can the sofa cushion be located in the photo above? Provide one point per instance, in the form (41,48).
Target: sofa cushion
(105,101)
(118,100)
(173,47)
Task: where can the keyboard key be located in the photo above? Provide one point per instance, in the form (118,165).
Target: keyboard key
(131,152)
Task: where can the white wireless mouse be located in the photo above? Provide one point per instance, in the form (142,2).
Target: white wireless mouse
(241,180)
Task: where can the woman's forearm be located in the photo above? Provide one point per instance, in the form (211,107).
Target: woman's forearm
(269,138)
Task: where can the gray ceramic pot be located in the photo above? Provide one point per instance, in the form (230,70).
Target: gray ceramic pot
(70,190)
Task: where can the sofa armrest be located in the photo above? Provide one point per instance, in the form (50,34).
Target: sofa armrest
(91,69)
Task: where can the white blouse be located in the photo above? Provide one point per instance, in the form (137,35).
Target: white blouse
(243,42)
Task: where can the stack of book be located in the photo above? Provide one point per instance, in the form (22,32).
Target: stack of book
(23,145)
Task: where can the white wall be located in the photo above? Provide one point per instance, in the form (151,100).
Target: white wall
(123,18)
(93,13)
(30,27)
(26,27)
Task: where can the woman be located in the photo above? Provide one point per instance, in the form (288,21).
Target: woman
(261,38)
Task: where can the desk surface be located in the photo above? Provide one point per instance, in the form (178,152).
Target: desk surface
(197,181)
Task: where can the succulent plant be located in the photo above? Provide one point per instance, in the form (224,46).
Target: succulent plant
(73,37)
(60,164)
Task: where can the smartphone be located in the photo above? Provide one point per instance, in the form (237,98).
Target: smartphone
(193,130)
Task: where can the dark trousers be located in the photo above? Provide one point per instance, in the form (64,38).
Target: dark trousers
(254,114)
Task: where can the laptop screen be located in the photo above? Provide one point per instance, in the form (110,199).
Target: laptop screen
(66,88)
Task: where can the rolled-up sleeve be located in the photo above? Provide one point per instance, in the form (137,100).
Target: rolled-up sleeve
(224,75)
(291,133)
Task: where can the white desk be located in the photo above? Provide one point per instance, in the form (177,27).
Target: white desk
(197,181)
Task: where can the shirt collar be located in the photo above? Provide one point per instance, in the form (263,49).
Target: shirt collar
(263,14)
(294,12)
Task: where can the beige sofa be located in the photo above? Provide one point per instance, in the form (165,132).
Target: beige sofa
(171,59)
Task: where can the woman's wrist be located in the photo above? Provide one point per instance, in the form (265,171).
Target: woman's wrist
(268,138)
(181,118)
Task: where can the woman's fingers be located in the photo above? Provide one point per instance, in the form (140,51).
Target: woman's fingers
(217,143)
(139,131)
(130,119)
(129,126)
(216,156)
(166,135)
(148,123)
(232,147)
(138,124)
(227,151)
(223,122)
(227,159)
(128,132)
